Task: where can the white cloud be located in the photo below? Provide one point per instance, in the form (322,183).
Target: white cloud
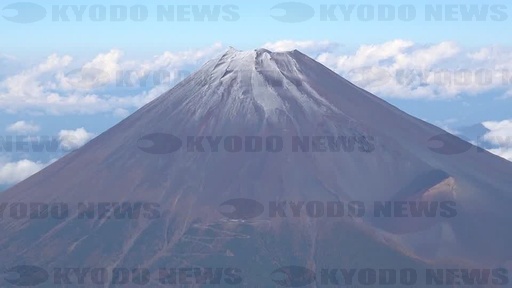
(366,55)
(405,69)
(121,113)
(100,71)
(482,54)
(73,139)
(426,56)
(312,47)
(14,172)
(182,58)
(29,85)
(23,127)
(500,133)
(54,88)
(499,137)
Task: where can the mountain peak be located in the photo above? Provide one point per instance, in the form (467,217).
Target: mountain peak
(262,82)
(232,50)
(259,57)
(263,50)
(270,79)
(259,51)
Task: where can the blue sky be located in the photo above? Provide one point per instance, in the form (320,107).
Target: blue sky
(254,27)
(50,84)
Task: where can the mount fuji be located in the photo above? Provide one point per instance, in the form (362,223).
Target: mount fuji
(273,95)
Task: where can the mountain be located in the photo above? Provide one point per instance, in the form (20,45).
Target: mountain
(474,132)
(480,135)
(374,154)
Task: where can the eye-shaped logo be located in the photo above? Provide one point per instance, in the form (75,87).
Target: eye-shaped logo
(242,209)
(294,12)
(26,275)
(26,12)
(159,143)
(293,276)
(85,78)
(448,144)
(409,77)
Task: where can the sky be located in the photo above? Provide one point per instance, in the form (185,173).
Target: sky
(70,72)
